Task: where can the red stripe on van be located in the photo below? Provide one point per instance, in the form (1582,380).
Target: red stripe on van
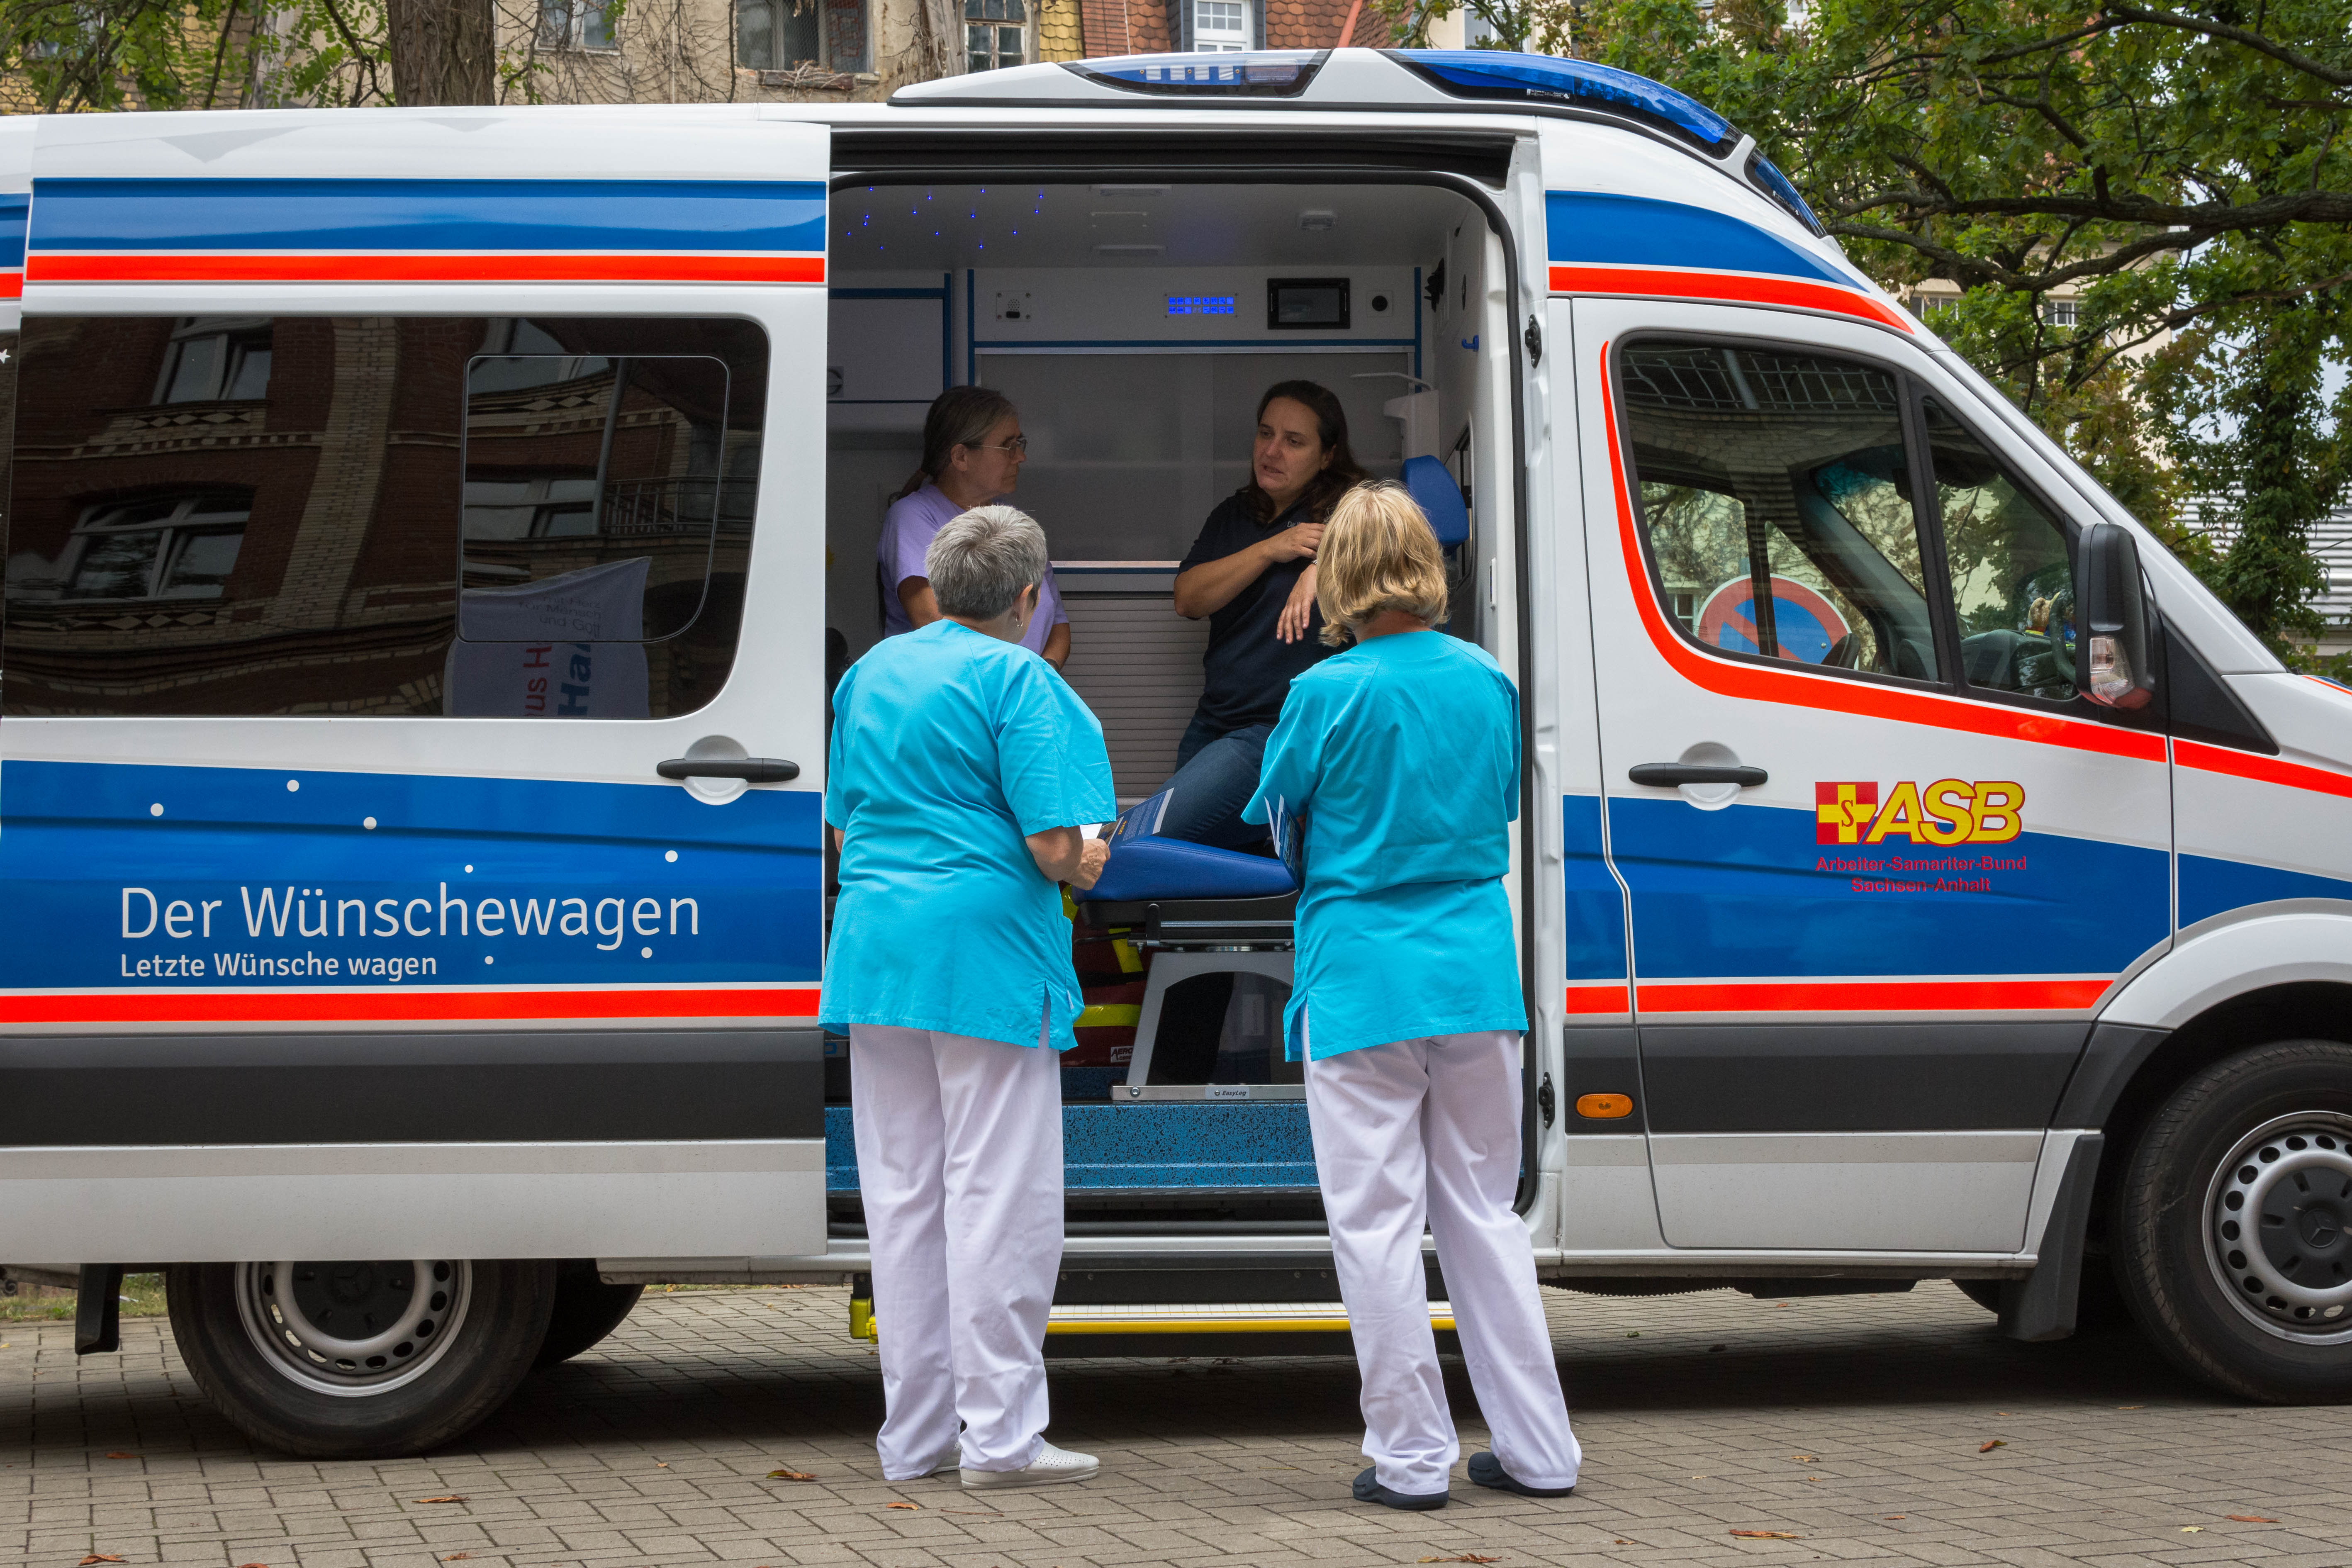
(11,285)
(1874,996)
(1732,288)
(1763,683)
(49,268)
(2267,770)
(392,1006)
(1609,999)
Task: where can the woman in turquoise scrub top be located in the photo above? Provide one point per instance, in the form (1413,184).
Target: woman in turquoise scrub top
(1401,758)
(963,771)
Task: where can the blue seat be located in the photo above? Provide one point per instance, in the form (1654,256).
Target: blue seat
(1431,485)
(1149,866)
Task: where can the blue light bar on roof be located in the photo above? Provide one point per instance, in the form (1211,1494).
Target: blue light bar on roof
(1492,73)
(1253,73)
(1767,177)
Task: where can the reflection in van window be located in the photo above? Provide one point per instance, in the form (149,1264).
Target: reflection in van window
(243,516)
(2011,584)
(575,464)
(1776,500)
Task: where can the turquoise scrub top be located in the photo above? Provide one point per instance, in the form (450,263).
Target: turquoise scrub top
(948,749)
(1402,755)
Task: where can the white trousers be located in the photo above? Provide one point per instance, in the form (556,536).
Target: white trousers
(1427,1131)
(960,1163)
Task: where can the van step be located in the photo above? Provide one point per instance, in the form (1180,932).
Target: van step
(1219,1318)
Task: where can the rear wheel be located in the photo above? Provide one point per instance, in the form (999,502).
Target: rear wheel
(2232,1246)
(359,1360)
(586,1310)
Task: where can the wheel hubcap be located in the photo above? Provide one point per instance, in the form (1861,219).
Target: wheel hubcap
(353,1328)
(2275,1226)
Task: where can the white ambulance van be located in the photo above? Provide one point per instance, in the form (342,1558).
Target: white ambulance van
(431,536)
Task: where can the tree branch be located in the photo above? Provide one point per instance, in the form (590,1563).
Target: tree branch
(2293,60)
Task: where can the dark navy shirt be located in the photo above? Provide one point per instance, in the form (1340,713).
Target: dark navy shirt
(1248,669)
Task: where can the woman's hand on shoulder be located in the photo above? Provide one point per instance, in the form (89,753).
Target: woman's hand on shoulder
(1298,610)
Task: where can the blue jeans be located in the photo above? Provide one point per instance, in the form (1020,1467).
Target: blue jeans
(1216,773)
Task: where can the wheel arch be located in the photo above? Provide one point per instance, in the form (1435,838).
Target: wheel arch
(2128,1071)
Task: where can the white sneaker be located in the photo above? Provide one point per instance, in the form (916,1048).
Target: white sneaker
(1050,1466)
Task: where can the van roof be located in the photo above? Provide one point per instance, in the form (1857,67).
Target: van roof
(1428,80)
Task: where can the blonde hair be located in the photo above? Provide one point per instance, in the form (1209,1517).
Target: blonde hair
(1378,553)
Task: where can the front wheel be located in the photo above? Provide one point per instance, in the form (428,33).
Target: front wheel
(2232,1244)
(359,1360)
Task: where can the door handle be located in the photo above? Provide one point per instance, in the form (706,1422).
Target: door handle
(750,770)
(1667,775)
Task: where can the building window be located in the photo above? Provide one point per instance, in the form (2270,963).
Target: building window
(777,35)
(996,33)
(574,24)
(1220,26)
(2060,313)
(215,358)
(172,547)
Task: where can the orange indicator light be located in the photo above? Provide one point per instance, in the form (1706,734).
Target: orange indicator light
(1604,1107)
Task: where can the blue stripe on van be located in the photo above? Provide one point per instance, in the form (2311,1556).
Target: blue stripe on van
(2211,887)
(77,835)
(1595,937)
(12,230)
(1746,891)
(525,216)
(1592,229)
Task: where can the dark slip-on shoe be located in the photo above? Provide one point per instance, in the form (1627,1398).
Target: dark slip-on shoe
(1486,1471)
(1369,1490)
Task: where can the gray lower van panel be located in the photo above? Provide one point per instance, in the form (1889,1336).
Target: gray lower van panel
(1855,1078)
(619,1086)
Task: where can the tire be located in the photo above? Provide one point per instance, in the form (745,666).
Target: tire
(586,1310)
(359,1360)
(2258,1307)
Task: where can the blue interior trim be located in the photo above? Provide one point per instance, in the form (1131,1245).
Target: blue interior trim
(1200,343)
(1161,1143)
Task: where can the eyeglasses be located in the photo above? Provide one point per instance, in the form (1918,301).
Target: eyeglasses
(1018,447)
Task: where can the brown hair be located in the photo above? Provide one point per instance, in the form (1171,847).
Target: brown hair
(1378,553)
(1331,428)
(960,417)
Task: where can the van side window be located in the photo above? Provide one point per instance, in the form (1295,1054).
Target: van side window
(249,516)
(2011,584)
(1775,497)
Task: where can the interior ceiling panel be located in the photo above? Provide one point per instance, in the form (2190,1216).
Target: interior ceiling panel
(1112,224)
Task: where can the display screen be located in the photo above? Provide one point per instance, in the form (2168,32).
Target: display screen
(1307,303)
(1201,304)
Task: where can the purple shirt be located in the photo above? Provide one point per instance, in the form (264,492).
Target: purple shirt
(907,532)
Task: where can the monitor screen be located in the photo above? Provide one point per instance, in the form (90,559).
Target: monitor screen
(1297,303)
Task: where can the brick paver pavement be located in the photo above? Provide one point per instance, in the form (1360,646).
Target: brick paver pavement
(1854,1424)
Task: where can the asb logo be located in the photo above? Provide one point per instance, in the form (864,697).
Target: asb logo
(1949,810)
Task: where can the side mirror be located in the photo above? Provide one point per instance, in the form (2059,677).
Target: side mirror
(2114,668)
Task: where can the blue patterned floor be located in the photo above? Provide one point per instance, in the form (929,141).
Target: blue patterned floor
(1154,1145)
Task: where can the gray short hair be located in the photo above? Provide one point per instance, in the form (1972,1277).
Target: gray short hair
(979,563)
